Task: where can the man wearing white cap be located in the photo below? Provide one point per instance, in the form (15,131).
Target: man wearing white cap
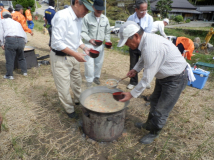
(159,26)
(65,40)
(160,58)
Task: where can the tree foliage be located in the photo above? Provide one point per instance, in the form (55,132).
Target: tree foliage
(25,4)
(164,6)
(179,18)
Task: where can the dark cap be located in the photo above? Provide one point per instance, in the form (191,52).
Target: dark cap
(28,7)
(1,4)
(99,5)
(18,7)
(51,3)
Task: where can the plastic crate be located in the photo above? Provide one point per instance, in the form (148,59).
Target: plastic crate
(201,77)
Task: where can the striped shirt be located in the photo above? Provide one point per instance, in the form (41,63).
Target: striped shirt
(160,58)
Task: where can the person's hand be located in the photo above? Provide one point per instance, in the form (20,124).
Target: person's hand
(87,50)
(80,57)
(131,73)
(2,47)
(127,97)
(31,33)
(92,42)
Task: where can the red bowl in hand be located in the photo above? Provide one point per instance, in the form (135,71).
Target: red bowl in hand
(108,45)
(94,53)
(118,96)
(98,42)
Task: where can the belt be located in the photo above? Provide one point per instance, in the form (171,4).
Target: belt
(60,53)
(14,36)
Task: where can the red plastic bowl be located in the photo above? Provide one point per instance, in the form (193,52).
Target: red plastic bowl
(118,96)
(108,45)
(98,42)
(94,53)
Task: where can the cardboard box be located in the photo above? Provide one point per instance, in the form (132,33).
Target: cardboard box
(201,77)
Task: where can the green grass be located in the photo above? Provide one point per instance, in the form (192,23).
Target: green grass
(38,25)
(38,5)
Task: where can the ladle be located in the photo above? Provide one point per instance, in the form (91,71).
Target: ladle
(109,84)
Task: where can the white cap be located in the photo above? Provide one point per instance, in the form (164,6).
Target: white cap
(166,20)
(128,29)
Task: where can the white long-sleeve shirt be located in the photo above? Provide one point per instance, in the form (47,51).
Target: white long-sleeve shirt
(158,26)
(66,30)
(11,28)
(160,58)
(145,23)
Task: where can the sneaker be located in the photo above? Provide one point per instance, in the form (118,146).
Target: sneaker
(88,84)
(73,115)
(8,77)
(97,80)
(24,74)
(130,86)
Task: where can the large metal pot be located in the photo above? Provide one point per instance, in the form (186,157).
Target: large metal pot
(102,126)
(30,57)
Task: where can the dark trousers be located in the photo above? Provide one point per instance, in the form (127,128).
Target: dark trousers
(165,96)
(50,33)
(134,57)
(14,46)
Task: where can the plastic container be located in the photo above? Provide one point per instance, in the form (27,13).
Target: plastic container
(201,77)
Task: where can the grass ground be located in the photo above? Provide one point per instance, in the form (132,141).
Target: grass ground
(36,126)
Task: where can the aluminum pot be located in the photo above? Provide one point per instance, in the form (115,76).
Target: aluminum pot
(103,127)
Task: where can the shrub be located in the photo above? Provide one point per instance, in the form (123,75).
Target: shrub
(172,17)
(25,4)
(187,21)
(179,18)
(156,19)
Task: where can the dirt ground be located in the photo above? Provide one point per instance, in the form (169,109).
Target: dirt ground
(36,126)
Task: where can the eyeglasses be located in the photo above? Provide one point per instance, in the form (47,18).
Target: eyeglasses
(143,11)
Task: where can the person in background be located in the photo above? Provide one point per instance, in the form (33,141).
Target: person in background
(29,18)
(95,27)
(2,9)
(49,14)
(145,21)
(15,40)
(159,26)
(65,40)
(185,46)
(10,9)
(161,59)
(18,16)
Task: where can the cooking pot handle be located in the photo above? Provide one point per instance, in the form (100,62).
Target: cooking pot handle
(114,119)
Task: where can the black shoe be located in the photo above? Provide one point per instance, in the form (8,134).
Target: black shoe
(97,80)
(148,126)
(141,125)
(73,115)
(146,98)
(149,138)
(77,103)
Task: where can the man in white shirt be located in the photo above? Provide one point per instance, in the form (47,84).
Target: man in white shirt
(65,40)
(160,58)
(15,40)
(95,27)
(145,21)
(159,26)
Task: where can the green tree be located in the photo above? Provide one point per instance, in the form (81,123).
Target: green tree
(164,6)
(25,4)
(179,18)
